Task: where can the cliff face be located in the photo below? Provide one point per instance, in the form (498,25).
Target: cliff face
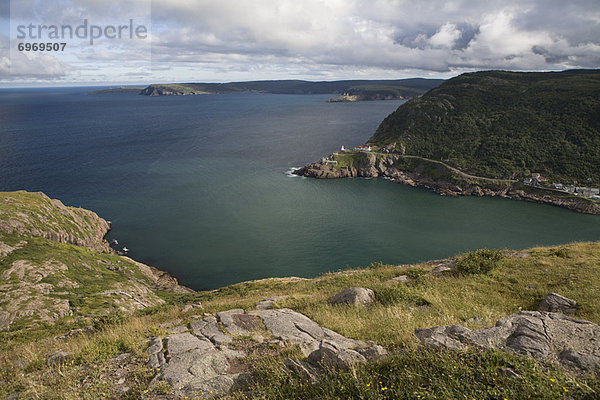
(35,214)
(54,263)
(437,176)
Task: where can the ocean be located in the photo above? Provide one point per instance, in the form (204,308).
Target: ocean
(199,186)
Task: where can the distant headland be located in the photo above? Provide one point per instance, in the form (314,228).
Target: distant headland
(344,90)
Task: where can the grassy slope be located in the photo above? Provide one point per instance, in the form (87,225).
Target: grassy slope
(572,270)
(42,280)
(88,274)
(27,212)
(503,124)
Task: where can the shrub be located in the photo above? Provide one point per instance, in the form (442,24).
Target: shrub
(387,296)
(114,318)
(418,276)
(478,262)
(562,252)
(376,265)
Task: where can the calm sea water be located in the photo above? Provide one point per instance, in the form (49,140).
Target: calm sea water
(196,185)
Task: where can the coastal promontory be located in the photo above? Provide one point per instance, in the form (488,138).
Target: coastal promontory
(530,136)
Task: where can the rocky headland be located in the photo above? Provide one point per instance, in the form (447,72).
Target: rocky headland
(55,263)
(438,177)
(366,96)
(489,133)
(35,214)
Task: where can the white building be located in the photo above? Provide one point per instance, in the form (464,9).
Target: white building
(363,148)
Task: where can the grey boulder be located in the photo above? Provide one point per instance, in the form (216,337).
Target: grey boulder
(554,302)
(551,337)
(331,355)
(57,359)
(237,322)
(204,360)
(356,296)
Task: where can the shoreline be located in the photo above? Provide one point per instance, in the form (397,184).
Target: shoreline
(439,178)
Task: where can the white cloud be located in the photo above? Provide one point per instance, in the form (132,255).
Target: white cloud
(446,36)
(220,40)
(31,65)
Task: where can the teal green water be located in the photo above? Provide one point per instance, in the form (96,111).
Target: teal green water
(274,225)
(198,186)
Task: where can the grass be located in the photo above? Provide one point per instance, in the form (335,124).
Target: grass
(77,274)
(429,374)
(345,160)
(479,262)
(518,282)
(36,213)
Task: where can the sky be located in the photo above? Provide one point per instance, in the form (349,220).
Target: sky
(234,40)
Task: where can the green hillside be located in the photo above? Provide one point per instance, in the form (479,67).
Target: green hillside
(505,124)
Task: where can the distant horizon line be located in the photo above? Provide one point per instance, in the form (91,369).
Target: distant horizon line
(115,85)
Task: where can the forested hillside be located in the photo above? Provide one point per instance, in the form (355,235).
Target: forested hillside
(505,124)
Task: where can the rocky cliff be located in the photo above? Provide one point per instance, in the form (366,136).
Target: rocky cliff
(35,214)
(437,176)
(55,263)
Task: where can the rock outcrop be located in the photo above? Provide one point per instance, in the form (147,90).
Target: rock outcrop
(386,165)
(58,358)
(398,279)
(553,337)
(35,214)
(42,282)
(268,303)
(161,279)
(356,296)
(202,359)
(554,302)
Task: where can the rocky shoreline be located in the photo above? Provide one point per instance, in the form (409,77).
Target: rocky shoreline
(370,165)
(57,263)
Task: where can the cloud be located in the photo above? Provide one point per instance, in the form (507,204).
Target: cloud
(193,39)
(445,37)
(30,65)
(437,36)
(16,65)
